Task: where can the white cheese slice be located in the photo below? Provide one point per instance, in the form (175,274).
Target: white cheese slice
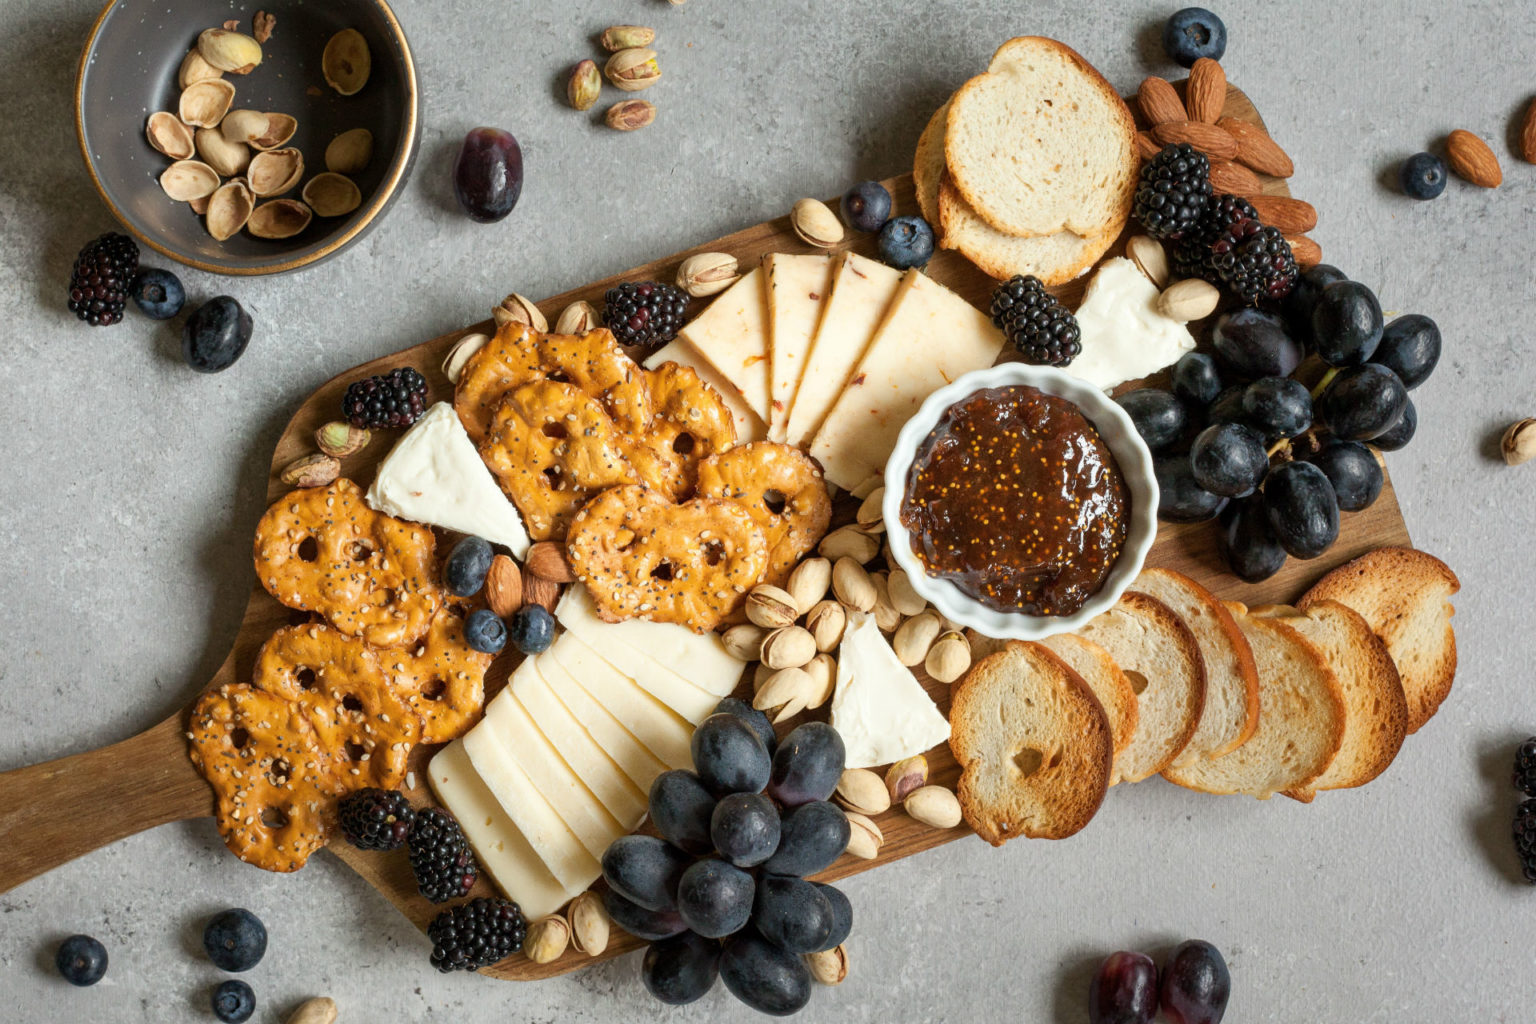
(931,337)
(880,710)
(733,335)
(690,703)
(498,844)
(1124,336)
(700,658)
(748,426)
(434,475)
(797,288)
(661,730)
(549,692)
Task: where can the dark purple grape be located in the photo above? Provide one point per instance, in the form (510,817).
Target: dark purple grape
(1251,344)
(1124,990)
(812,836)
(1277,407)
(1159,417)
(681,969)
(714,898)
(488,176)
(1196,985)
(756,719)
(1297,306)
(765,977)
(1353,471)
(792,914)
(842,915)
(1180,499)
(1346,324)
(641,923)
(1400,433)
(729,757)
(745,828)
(1196,379)
(1228,459)
(1361,402)
(1303,510)
(807,765)
(1410,348)
(1251,550)
(645,870)
(680,809)
(215,335)
(1228,407)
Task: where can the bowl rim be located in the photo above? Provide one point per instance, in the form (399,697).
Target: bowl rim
(381,198)
(1131,455)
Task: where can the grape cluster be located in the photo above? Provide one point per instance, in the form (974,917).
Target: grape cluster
(1193,987)
(723,893)
(1240,436)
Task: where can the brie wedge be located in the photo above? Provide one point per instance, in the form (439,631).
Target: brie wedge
(1124,336)
(879,708)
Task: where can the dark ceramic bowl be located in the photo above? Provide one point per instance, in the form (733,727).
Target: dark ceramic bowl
(128,71)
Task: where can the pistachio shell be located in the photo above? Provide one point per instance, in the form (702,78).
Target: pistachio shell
(346,61)
(453,364)
(280,218)
(280,128)
(204,104)
(350,151)
(229,51)
(228,158)
(229,208)
(167,134)
(195,69)
(259,130)
(186,180)
(275,171)
(332,195)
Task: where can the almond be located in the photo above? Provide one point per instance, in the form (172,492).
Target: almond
(1233,179)
(504,586)
(1206,93)
(546,560)
(1472,159)
(1146,146)
(1528,134)
(1256,149)
(1291,216)
(540,591)
(1158,101)
(1307,252)
(1207,138)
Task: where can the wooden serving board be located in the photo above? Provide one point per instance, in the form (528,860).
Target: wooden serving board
(51,813)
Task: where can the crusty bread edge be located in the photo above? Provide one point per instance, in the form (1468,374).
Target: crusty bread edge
(1157,609)
(949,197)
(928,191)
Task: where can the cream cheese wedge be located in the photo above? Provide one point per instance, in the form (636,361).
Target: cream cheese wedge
(1124,336)
(879,708)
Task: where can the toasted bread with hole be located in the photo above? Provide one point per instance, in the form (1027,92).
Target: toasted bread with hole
(1231,710)
(1375,709)
(1161,658)
(1041,143)
(1301,719)
(1095,667)
(1404,595)
(1033,743)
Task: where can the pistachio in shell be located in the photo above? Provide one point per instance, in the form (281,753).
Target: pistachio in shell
(168,135)
(349,152)
(230,51)
(229,208)
(204,104)
(280,218)
(346,62)
(275,171)
(332,195)
(195,69)
(258,130)
(228,158)
(186,180)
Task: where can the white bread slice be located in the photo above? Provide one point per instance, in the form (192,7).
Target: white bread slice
(1301,719)
(1231,710)
(1405,597)
(1161,658)
(1054,259)
(1375,710)
(1096,668)
(1033,744)
(928,167)
(1041,143)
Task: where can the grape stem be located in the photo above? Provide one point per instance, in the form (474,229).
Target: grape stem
(1322,385)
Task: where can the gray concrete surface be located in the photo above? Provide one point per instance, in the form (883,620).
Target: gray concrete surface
(129,487)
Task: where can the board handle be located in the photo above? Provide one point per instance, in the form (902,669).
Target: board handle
(53,812)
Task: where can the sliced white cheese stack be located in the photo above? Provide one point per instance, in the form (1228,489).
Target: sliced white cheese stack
(434,475)
(732,334)
(748,426)
(1124,336)
(699,658)
(879,708)
(797,288)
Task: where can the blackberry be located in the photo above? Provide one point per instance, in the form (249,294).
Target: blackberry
(1254,262)
(98,284)
(1525,767)
(376,819)
(393,399)
(1035,323)
(1191,256)
(441,859)
(647,314)
(1525,838)
(476,934)
(1175,187)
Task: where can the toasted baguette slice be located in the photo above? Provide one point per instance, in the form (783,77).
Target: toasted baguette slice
(1405,597)
(1375,710)
(1096,668)
(1301,719)
(1231,682)
(1041,143)
(928,166)
(1054,259)
(1161,658)
(1033,744)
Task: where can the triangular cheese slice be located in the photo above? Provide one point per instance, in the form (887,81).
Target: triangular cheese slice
(748,426)
(880,710)
(797,288)
(733,335)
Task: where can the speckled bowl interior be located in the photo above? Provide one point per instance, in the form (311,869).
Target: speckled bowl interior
(128,71)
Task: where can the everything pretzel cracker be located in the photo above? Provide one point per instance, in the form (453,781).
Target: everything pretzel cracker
(689,423)
(442,677)
(643,557)
(783,491)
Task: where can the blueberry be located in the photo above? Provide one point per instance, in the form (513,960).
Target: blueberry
(867,206)
(158,293)
(233,1001)
(1193,33)
(467,565)
(215,335)
(235,940)
(81,960)
(533,629)
(1422,176)
(485,632)
(906,242)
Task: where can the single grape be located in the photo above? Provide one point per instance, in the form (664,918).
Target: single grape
(807,765)
(792,914)
(681,969)
(1228,407)
(714,898)
(765,977)
(1250,546)
(1361,402)
(680,809)
(1196,379)
(1196,984)
(1228,459)
(812,836)
(1297,307)
(1159,417)
(745,828)
(1346,324)
(488,175)
(1124,990)
(729,757)
(1303,510)
(645,870)
(1277,407)
(759,722)
(1180,499)
(1410,348)
(1400,433)
(842,915)
(1251,344)
(641,923)
(1353,471)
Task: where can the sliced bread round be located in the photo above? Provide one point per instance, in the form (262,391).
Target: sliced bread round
(1054,259)
(928,166)
(1104,678)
